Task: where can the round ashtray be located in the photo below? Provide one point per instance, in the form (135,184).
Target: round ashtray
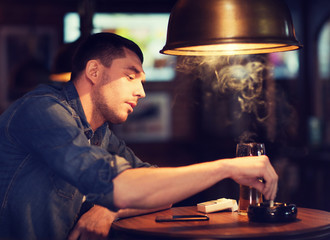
(280,212)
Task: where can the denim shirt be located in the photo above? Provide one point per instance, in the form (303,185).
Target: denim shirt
(49,159)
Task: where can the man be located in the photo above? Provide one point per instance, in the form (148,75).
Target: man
(57,152)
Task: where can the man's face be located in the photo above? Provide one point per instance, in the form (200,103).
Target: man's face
(120,88)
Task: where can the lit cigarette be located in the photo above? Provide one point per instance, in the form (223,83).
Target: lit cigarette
(271,203)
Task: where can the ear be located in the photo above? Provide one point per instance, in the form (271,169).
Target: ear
(93,71)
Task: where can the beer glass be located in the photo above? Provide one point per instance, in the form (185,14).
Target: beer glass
(248,195)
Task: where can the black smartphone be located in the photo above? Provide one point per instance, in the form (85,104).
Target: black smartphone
(175,218)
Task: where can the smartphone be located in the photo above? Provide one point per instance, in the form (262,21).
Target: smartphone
(175,218)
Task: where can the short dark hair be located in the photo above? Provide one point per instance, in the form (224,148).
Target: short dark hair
(103,46)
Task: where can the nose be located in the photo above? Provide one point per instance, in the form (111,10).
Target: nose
(140,91)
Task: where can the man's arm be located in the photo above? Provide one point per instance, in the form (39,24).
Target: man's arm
(152,188)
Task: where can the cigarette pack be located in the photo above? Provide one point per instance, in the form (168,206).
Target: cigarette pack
(217,205)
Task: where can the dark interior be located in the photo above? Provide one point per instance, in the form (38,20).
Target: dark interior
(204,125)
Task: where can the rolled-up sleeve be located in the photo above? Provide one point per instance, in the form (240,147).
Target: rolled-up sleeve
(106,199)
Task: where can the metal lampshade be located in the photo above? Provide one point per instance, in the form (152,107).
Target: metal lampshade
(227,27)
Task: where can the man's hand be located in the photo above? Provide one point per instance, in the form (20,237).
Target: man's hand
(250,170)
(94,224)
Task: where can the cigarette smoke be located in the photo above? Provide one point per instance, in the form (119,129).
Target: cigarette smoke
(243,78)
(247,82)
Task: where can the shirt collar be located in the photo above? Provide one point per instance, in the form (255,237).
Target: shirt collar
(73,99)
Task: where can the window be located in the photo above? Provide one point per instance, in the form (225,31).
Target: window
(324,51)
(147,30)
(323,101)
(286,64)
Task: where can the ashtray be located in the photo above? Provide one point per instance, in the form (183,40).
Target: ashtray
(280,212)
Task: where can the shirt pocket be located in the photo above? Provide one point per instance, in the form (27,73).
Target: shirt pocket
(62,187)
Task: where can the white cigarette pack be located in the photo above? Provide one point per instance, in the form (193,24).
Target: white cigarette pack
(217,205)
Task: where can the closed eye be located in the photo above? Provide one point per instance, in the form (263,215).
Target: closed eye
(131,76)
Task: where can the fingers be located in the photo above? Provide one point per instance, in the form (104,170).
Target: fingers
(74,235)
(249,170)
(84,235)
(260,174)
(270,182)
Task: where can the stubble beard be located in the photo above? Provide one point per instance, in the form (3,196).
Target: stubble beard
(102,112)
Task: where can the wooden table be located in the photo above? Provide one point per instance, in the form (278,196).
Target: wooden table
(310,224)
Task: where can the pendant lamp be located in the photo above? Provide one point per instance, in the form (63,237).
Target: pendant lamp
(228,27)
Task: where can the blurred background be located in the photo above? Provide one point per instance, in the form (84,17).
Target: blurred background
(195,110)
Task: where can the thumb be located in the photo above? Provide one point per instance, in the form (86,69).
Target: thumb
(74,235)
